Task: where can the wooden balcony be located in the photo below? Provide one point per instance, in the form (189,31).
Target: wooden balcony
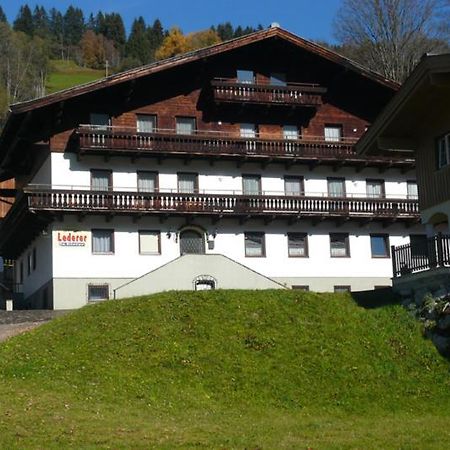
(89,139)
(229,90)
(221,205)
(432,253)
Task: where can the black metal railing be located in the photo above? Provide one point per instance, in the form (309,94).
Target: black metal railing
(426,254)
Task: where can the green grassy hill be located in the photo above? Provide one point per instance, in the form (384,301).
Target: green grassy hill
(225,369)
(66,74)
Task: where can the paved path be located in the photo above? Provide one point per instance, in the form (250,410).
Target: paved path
(15,322)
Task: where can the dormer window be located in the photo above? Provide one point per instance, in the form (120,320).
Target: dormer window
(245,76)
(278,79)
(333,133)
(443,151)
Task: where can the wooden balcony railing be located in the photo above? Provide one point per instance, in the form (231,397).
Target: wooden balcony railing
(218,204)
(91,138)
(427,254)
(228,90)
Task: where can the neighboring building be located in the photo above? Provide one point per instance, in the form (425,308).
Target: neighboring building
(239,156)
(417,120)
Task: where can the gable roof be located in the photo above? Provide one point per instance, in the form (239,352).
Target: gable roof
(196,55)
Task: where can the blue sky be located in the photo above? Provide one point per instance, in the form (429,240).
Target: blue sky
(311,19)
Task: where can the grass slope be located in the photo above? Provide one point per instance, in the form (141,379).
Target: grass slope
(225,369)
(66,74)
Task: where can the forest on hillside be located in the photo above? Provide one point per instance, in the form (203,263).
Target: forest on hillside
(388,36)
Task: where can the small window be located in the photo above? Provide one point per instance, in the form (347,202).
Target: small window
(29,263)
(379,244)
(255,245)
(145,123)
(103,242)
(245,76)
(33,259)
(339,245)
(300,287)
(413,193)
(375,188)
(185,125)
(293,186)
(340,289)
(297,245)
(278,79)
(443,151)
(101,121)
(333,133)
(149,242)
(101,180)
(248,130)
(290,132)
(251,184)
(187,182)
(336,187)
(147,181)
(98,292)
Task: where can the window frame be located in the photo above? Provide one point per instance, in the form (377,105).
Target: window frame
(251,175)
(194,130)
(97,286)
(445,139)
(342,289)
(158,233)
(300,287)
(306,249)
(334,126)
(408,195)
(343,183)
(375,180)
(34,259)
(248,71)
(346,242)
(196,184)
(301,180)
(154,172)
(110,178)
(112,246)
(140,115)
(385,238)
(263,243)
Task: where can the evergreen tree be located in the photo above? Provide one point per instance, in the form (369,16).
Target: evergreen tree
(155,35)
(114,30)
(3,18)
(91,23)
(73,25)
(138,45)
(40,22)
(225,31)
(56,27)
(24,21)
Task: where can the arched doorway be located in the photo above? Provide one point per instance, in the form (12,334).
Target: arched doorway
(192,242)
(439,222)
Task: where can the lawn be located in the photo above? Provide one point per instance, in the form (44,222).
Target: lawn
(225,369)
(66,74)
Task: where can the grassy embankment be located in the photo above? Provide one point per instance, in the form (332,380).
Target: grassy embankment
(225,369)
(66,74)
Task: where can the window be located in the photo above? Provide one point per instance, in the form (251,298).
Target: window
(300,287)
(333,133)
(98,292)
(379,245)
(419,245)
(251,184)
(33,259)
(192,242)
(342,289)
(248,130)
(147,181)
(443,151)
(149,242)
(101,180)
(293,186)
(336,187)
(29,263)
(245,76)
(290,132)
(255,245)
(297,245)
(187,182)
(101,121)
(145,123)
(185,125)
(103,242)
(339,245)
(278,79)
(413,192)
(375,188)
